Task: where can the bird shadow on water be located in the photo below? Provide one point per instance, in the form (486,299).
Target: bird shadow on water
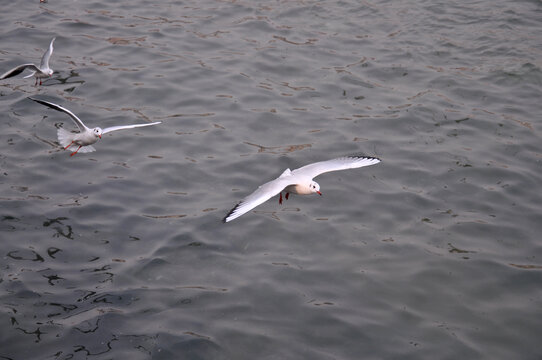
(72,78)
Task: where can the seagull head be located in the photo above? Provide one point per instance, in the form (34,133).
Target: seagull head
(97,132)
(49,72)
(315,187)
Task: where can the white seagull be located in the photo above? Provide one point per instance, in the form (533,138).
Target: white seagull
(298,181)
(86,136)
(43,71)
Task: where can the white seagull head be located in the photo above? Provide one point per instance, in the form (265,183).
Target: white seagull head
(97,131)
(315,187)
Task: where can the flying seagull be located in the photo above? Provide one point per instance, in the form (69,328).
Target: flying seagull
(43,71)
(299,181)
(86,136)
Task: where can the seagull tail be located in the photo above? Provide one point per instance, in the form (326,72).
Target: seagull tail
(87,149)
(65,138)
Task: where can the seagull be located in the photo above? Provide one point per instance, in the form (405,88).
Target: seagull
(86,136)
(299,181)
(43,71)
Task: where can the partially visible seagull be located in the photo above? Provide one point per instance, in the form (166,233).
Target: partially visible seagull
(43,71)
(86,136)
(299,181)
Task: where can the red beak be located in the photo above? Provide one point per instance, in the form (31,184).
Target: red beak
(100,136)
(319,193)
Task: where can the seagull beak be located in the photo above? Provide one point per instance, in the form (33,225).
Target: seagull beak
(319,193)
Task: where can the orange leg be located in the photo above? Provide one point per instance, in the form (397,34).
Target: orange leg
(280,198)
(287,194)
(75,152)
(66,148)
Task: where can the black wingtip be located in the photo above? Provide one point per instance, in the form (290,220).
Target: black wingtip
(224,220)
(16,72)
(36,100)
(49,104)
(361,156)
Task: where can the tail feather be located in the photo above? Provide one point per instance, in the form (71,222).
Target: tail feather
(64,137)
(86,149)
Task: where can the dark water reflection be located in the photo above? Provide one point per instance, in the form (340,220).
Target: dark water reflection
(121,253)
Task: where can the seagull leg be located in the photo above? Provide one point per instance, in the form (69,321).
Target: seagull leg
(280,198)
(75,152)
(287,194)
(70,144)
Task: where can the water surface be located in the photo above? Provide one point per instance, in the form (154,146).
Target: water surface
(432,254)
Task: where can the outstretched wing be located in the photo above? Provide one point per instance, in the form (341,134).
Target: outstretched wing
(44,64)
(261,195)
(342,163)
(19,69)
(77,121)
(122,127)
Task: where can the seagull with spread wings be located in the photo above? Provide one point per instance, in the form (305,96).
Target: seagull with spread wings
(299,181)
(86,136)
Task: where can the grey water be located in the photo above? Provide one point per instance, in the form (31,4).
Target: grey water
(435,253)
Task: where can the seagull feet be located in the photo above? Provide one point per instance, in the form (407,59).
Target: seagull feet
(285,196)
(75,152)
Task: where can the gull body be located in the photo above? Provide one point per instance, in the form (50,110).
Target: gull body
(86,136)
(39,72)
(299,181)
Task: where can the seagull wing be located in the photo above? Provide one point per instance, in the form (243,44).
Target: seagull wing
(122,127)
(342,163)
(261,195)
(44,64)
(19,69)
(77,121)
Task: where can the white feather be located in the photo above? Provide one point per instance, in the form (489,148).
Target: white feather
(64,137)
(297,181)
